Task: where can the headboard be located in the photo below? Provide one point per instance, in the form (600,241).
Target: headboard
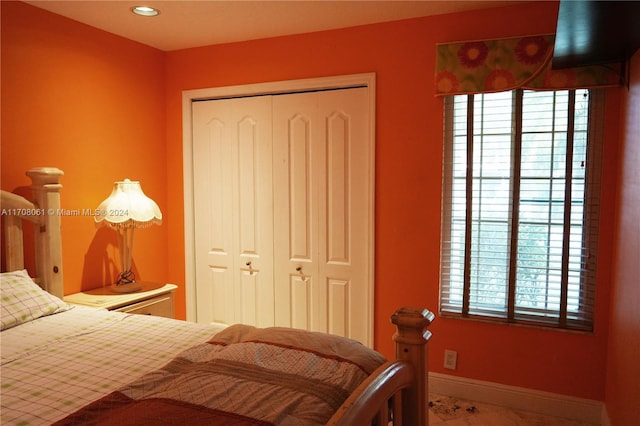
(44,212)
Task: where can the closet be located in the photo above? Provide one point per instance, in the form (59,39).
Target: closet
(282,220)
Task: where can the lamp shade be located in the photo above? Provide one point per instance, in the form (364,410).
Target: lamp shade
(128,207)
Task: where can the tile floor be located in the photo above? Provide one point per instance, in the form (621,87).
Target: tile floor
(448,411)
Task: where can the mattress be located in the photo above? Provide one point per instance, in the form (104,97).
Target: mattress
(56,364)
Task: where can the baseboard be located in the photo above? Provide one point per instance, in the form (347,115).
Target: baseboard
(585,410)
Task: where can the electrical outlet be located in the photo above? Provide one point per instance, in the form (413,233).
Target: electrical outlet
(450,359)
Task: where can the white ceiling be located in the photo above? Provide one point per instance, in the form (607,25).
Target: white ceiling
(185,24)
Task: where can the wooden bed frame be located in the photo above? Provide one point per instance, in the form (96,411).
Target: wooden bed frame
(44,213)
(395,394)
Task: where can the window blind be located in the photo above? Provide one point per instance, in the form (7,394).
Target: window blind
(521,199)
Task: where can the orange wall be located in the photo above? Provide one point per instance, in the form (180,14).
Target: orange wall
(408,181)
(91,104)
(623,369)
(408,166)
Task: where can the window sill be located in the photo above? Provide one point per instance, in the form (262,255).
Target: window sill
(517,323)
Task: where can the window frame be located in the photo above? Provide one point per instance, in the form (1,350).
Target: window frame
(584,319)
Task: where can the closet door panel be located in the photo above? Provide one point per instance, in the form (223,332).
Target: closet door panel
(336,219)
(254,211)
(333,219)
(295,210)
(299,182)
(233,211)
(212,215)
(338,307)
(338,188)
(344,188)
(300,291)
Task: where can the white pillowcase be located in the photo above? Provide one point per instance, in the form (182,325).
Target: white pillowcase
(23,300)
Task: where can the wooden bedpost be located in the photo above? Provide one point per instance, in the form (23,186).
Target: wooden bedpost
(411,346)
(48,243)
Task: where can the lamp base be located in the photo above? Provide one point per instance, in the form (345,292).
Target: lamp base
(126,288)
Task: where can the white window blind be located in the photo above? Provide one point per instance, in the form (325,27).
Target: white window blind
(521,190)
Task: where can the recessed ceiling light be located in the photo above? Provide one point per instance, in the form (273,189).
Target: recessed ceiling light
(145,11)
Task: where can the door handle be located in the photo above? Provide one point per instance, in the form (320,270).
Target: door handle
(303,277)
(250,268)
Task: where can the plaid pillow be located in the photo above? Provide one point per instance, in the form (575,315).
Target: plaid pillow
(22,300)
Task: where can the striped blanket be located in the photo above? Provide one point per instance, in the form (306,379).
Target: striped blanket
(243,376)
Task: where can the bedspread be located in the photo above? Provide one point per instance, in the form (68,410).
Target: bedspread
(57,364)
(243,376)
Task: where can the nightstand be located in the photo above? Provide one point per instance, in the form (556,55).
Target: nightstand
(153,299)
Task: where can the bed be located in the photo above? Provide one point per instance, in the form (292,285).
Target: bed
(65,364)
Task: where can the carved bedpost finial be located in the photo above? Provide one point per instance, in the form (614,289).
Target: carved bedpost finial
(411,324)
(411,345)
(44,175)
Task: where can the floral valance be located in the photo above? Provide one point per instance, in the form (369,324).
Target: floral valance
(506,64)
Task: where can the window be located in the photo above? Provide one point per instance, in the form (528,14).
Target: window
(521,190)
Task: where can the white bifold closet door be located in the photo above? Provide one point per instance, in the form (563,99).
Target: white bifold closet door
(233,211)
(282,189)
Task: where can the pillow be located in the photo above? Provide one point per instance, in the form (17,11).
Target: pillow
(326,345)
(23,300)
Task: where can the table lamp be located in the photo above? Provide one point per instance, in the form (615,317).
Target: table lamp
(126,209)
